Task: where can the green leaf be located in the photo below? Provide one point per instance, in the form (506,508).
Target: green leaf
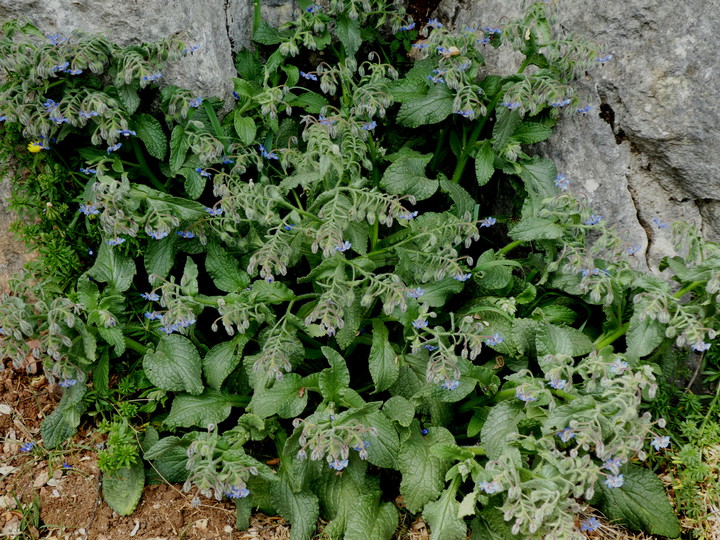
(406,176)
(169,457)
(174,365)
(189,279)
(336,377)
(179,146)
(245,128)
(224,269)
(383,365)
(552,339)
(539,176)
(122,489)
(437,293)
(490,525)
(160,256)
(266,34)
(247,65)
(311,102)
(113,336)
(464,203)
(367,521)
(60,424)
(640,503)
(287,398)
(423,475)
(500,423)
(534,228)
(385,445)
(113,268)
(531,132)
(300,509)
(428,107)
(506,123)
(442,516)
(400,410)
(151,133)
(348,32)
(643,335)
(210,407)
(194,182)
(222,360)
(129,97)
(484,167)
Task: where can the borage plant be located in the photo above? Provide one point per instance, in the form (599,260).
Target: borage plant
(360,264)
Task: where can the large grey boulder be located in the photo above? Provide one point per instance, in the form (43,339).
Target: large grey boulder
(219,26)
(651,146)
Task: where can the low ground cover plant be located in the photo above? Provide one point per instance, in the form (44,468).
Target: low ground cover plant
(355,285)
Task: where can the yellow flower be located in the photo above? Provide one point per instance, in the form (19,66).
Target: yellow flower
(35,147)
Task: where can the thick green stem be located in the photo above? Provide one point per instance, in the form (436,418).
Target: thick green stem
(146,168)
(509,247)
(682,292)
(133,345)
(606,339)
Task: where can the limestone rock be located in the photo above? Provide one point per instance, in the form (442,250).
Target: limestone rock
(650,148)
(220,26)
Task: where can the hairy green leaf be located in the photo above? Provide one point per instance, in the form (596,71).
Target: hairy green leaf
(113,268)
(224,269)
(150,132)
(210,407)
(123,488)
(484,159)
(442,516)
(406,176)
(245,128)
(383,365)
(430,106)
(174,365)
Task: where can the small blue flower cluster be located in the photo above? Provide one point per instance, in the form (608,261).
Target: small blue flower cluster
(493,340)
(562,103)
(266,154)
(152,77)
(115,241)
(27,447)
(512,105)
(195,102)
(237,492)
(158,235)
(308,76)
(407,27)
(434,23)
(203,172)
(67,383)
(488,222)
(214,211)
(562,182)
(416,293)
(342,248)
(126,132)
(151,296)
(88,114)
(89,209)
(114,147)
(594,219)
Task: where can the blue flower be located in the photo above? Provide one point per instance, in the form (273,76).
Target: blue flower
(289,227)
(192,49)
(89,209)
(613,465)
(50,104)
(615,481)
(88,114)
(462,277)
(308,76)
(660,224)
(236,492)
(660,442)
(700,347)
(490,487)
(27,447)
(632,250)
(434,23)
(214,211)
(153,316)
(66,465)
(557,384)
(430,347)
(562,182)
(56,39)
(301,454)
(424,431)
(493,30)
(67,383)
(236,95)
(186,234)
(450,384)
(524,396)
(227,161)
(408,27)
(493,340)
(566,434)
(152,296)
(3,118)
(369,126)
(591,524)
(152,77)
(339,464)
(313,8)
(594,219)
(91,252)
(195,102)
(115,241)
(343,247)
(203,172)
(158,235)
(604,59)
(266,154)
(126,132)
(421,45)
(59,119)
(562,103)
(466,114)
(483,40)
(416,293)
(487,222)
(326,121)
(441,50)
(408,216)
(419,323)
(512,105)
(61,67)
(114,147)
(75,72)
(585,109)
(618,366)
